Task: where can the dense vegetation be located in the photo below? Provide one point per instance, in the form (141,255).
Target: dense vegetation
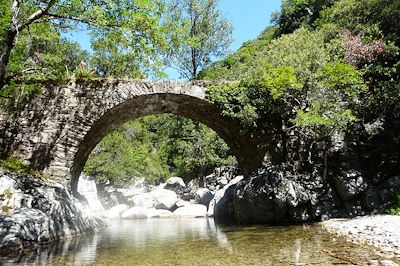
(157,147)
(322,68)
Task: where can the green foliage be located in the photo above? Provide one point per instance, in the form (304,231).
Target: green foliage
(239,64)
(196,33)
(18,166)
(157,147)
(295,14)
(394,209)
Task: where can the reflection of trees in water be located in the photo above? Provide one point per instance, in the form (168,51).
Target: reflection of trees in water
(223,244)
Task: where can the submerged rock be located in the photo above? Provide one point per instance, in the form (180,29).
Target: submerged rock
(34,211)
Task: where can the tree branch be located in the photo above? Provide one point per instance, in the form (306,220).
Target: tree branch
(37,15)
(80,20)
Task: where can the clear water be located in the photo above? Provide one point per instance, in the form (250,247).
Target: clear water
(201,242)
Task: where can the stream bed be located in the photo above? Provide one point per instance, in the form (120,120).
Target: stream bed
(201,242)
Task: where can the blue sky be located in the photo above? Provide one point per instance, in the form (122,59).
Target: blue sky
(249,19)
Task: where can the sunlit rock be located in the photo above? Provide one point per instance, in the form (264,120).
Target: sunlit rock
(116,211)
(175,184)
(193,210)
(134,213)
(203,196)
(221,206)
(35,211)
(164,198)
(154,213)
(87,188)
(145,200)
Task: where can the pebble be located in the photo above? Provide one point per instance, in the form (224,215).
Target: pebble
(381,231)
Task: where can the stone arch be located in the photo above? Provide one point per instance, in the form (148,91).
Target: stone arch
(57,131)
(152,104)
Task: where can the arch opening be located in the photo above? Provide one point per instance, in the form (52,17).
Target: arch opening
(154,104)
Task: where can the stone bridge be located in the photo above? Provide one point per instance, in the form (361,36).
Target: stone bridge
(56,131)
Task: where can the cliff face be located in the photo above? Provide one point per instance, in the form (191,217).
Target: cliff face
(35,212)
(363,171)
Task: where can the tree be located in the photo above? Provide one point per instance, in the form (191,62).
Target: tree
(197,34)
(122,18)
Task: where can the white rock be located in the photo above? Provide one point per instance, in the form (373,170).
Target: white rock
(181,203)
(194,210)
(154,213)
(164,198)
(203,196)
(145,200)
(116,211)
(218,201)
(135,213)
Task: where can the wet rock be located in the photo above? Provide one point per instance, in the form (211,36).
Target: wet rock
(203,196)
(191,211)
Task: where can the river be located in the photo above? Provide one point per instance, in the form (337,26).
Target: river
(200,242)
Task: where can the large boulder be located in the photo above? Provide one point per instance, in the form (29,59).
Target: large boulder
(175,184)
(203,196)
(222,205)
(135,213)
(145,200)
(116,211)
(35,212)
(271,197)
(191,211)
(164,198)
(350,184)
(154,213)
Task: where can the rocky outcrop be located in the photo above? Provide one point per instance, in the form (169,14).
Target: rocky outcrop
(35,211)
(276,196)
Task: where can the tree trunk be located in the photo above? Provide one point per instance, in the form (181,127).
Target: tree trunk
(8,44)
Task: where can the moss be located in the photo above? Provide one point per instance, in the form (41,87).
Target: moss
(18,166)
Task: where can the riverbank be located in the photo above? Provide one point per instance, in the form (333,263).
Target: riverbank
(380,231)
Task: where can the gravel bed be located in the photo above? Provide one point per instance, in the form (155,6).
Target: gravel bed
(381,231)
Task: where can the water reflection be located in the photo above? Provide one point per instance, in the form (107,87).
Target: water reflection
(199,242)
